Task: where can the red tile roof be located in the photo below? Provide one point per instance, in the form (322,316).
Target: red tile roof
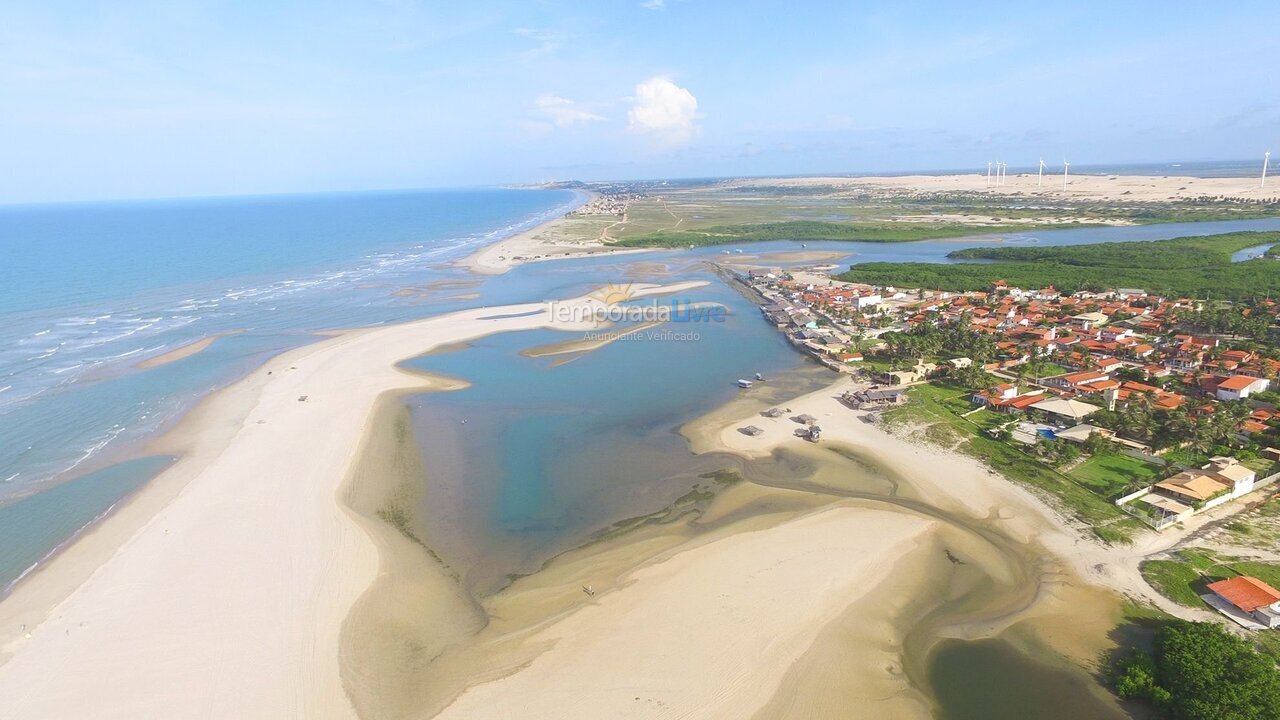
(1236,383)
(1246,593)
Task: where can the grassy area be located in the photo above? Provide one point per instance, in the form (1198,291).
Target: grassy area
(1192,266)
(1184,578)
(1112,475)
(812,231)
(937,403)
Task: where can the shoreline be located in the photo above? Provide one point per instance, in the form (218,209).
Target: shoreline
(532,245)
(136,583)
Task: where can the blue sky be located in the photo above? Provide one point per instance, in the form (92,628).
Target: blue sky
(182,97)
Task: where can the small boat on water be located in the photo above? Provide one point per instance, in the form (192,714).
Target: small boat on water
(745,383)
(759,377)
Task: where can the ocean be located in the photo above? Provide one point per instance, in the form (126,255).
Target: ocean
(93,288)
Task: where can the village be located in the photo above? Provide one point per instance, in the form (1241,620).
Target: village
(1159,408)
(1162,406)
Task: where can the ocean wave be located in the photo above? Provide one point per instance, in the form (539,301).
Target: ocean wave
(98,444)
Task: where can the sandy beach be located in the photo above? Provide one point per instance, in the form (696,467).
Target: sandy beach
(1111,188)
(221,589)
(551,240)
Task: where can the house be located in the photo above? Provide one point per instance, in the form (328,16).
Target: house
(1086,321)
(1239,387)
(1082,432)
(1229,470)
(1003,391)
(906,377)
(1196,487)
(763,273)
(1252,597)
(1069,412)
(1071,380)
(876,397)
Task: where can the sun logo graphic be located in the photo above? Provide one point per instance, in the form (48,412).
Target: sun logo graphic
(613,294)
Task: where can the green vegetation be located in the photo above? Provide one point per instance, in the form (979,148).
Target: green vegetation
(1190,266)
(1112,474)
(949,405)
(1199,671)
(1184,578)
(811,231)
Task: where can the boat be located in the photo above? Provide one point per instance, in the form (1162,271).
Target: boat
(759,377)
(745,383)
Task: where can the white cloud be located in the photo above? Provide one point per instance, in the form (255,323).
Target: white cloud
(653,4)
(663,109)
(563,112)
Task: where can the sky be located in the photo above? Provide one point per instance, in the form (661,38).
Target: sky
(109,100)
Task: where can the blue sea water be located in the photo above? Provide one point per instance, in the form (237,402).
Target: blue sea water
(92,289)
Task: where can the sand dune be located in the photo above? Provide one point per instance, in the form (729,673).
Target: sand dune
(1112,188)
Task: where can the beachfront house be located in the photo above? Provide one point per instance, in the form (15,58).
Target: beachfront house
(1249,595)
(1229,471)
(875,397)
(1064,411)
(1196,488)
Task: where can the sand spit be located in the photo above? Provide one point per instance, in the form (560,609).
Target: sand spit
(535,246)
(185,351)
(222,588)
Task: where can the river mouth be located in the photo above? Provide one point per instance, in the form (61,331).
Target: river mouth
(542,485)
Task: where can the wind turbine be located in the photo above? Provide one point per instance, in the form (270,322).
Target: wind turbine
(1040,176)
(1266,160)
(1065,166)
(988,173)
(1003,167)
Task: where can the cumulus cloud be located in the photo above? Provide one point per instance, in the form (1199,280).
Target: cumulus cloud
(664,110)
(563,112)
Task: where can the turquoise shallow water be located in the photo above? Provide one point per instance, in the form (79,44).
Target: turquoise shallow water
(538,452)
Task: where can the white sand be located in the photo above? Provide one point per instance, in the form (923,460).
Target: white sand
(220,591)
(710,632)
(1116,188)
(536,245)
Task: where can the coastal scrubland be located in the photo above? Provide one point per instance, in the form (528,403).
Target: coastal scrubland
(874,210)
(944,414)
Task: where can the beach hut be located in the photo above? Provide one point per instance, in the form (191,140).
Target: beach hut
(751,430)
(806,419)
(772,413)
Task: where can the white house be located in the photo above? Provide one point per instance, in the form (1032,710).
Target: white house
(1230,471)
(1239,387)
